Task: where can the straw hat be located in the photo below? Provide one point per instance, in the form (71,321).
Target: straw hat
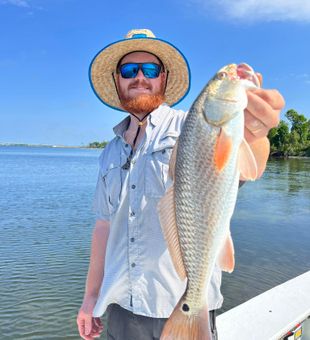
(103,66)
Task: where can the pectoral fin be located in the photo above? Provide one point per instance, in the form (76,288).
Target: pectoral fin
(166,209)
(222,150)
(246,162)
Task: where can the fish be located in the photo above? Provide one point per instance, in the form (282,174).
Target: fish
(205,166)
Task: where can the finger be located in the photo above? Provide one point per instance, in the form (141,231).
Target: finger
(81,329)
(81,322)
(260,78)
(98,323)
(95,334)
(272,97)
(250,137)
(262,110)
(88,324)
(97,328)
(254,125)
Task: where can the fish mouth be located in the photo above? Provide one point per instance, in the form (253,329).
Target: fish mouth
(226,100)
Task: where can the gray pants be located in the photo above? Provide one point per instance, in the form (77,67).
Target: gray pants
(124,325)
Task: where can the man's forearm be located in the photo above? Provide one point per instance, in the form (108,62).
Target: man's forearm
(96,264)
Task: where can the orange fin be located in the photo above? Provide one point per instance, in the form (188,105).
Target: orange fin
(166,210)
(247,163)
(222,150)
(226,258)
(185,326)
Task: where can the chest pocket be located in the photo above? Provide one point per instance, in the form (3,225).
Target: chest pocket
(157,166)
(113,180)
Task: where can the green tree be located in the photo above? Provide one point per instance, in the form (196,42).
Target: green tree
(97,145)
(300,124)
(279,138)
(293,141)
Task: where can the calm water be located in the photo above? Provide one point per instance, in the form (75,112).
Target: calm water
(46,223)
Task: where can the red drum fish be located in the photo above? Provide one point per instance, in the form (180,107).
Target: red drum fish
(207,161)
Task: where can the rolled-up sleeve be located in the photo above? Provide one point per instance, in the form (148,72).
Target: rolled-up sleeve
(100,204)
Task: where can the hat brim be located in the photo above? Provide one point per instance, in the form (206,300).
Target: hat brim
(104,64)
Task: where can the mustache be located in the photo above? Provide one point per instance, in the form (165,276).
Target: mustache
(139,82)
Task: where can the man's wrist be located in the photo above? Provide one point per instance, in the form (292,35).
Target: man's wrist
(90,296)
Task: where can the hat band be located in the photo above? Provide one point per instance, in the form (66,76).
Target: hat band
(140,35)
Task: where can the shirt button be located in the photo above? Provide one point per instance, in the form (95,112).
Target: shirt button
(133,265)
(163,151)
(133,186)
(126,145)
(132,239)
(132,213)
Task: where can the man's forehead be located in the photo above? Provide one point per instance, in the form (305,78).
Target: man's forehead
(138,56)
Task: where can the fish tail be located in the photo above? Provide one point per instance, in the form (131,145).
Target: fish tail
(186,326)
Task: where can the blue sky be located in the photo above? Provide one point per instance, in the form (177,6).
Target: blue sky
(47,45)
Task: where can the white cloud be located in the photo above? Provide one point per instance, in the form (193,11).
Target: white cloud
(18,3)
(303,78)
(258,10)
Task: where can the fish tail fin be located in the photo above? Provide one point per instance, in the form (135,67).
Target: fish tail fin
(185,326)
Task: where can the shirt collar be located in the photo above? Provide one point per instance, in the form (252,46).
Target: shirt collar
(120,128)
(158,115)
(155,117)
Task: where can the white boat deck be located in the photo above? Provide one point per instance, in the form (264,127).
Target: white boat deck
(269,316)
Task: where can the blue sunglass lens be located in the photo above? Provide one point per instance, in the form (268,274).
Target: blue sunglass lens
(131,70)
(151,70)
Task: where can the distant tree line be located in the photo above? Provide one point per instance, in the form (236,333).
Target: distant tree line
(291,139)
(98,145)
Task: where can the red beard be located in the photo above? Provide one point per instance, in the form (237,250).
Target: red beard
(143,104)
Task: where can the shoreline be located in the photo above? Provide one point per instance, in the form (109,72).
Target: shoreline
(90,147)
(288,157)
(100,148)
(45,146)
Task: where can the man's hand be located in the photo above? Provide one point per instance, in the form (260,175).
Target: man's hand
(261,114)
(89,327)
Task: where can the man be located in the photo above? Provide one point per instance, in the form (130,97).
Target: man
(131,273)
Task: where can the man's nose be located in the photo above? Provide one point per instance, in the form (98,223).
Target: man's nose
(140,75)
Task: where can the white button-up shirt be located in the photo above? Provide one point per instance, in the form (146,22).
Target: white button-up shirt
(138,271)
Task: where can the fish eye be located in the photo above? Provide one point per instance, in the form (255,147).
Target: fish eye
(221,75)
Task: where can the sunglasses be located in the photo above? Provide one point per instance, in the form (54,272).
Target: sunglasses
(149,70)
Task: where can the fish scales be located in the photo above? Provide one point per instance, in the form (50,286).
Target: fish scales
(200,210)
